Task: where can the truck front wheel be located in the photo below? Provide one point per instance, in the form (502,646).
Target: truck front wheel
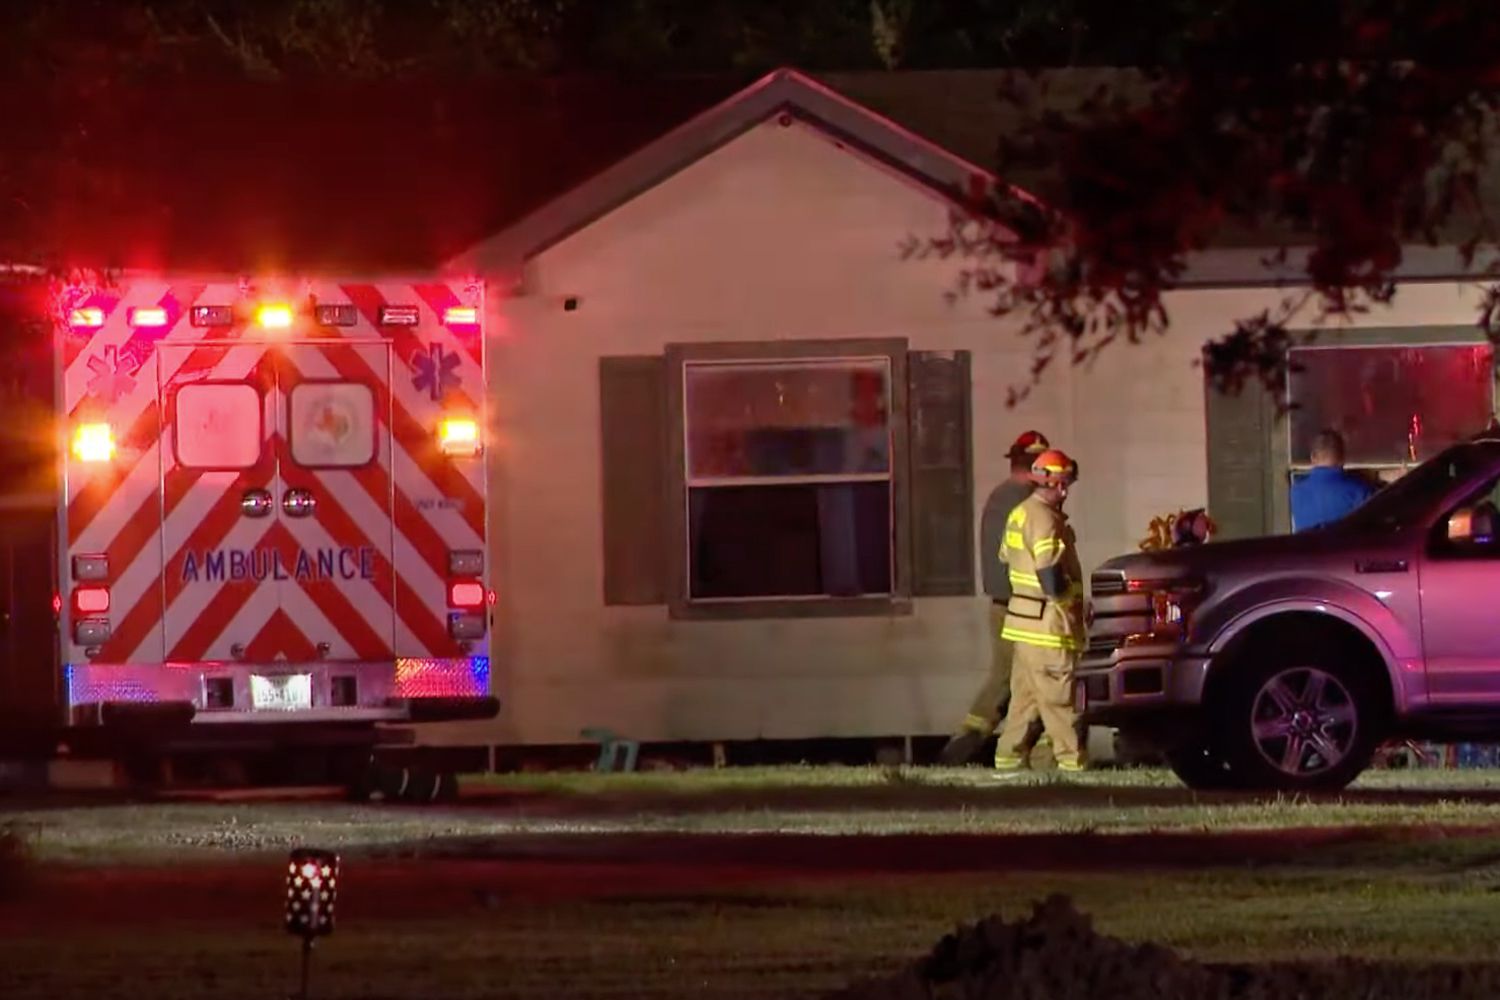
(1296,718)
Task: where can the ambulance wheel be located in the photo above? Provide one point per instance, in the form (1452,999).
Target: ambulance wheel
(422,785)
(379,782)
(1297,716)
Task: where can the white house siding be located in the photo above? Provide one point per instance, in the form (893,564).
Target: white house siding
(783,234)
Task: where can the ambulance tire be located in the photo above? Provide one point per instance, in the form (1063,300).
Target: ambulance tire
(422,786)
(379,782)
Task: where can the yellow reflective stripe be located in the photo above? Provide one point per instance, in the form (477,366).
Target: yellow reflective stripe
(1023,577)
(1045,546)
(977,723)
(1042,639)
(1014,540)
(1017,518)
(1007,763)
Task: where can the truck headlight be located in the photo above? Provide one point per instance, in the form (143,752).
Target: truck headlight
(1172,606)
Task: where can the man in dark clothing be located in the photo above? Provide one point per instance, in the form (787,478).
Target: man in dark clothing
(1328,491)
(989,705)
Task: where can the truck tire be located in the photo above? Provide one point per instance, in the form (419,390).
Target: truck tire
(1296,717)
(1202,768)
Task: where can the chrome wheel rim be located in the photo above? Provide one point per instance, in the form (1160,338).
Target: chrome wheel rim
(1303,721)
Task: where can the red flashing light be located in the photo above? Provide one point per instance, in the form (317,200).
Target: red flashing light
(57,604)
(91,600)
(87,318)
(147,316)
(465,594)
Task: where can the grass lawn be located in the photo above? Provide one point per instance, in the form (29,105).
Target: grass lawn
(444,903)
(815,801)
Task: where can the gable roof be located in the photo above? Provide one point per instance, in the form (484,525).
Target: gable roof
(782,92)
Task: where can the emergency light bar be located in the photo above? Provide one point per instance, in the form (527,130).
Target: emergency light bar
(461,316)
(275,316)
(337,314)
(211,316)
(147,316)
(399,315)
(87,318)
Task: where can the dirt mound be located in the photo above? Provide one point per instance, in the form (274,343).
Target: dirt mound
(1055,954)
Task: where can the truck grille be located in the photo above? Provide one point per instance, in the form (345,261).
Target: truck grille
(1104,645)
(1109,581)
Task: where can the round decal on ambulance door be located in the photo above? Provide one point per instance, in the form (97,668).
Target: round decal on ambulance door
(332,424)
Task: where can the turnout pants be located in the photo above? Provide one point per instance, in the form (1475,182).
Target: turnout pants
(1041,687)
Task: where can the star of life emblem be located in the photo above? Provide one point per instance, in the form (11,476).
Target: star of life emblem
(113,375)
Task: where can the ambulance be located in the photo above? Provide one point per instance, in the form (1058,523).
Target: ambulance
(271,502)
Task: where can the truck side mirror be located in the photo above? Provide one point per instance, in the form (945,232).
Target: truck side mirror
(1472,525)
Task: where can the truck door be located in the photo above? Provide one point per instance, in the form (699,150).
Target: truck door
(277,533)
(1459,579)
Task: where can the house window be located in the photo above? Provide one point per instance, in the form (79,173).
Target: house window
(789,478)
(786,479)
(1394,405)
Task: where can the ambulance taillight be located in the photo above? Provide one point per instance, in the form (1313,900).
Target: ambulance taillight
(465,594)
(91,600)
(458,436)
(93,443)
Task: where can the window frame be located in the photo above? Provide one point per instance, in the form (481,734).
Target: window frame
(291,445)
(679,356)
(260,424)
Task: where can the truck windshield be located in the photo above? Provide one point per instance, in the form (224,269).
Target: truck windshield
(1409,496)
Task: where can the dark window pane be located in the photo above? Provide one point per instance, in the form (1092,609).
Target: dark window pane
(796,540)
(788,418)
(1392,404)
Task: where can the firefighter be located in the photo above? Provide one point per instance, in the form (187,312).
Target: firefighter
(988,707)
(1044,618)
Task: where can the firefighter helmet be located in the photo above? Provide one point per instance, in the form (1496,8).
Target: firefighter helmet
(1029,445)
(1054,468)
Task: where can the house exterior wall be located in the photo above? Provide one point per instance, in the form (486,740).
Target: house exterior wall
(784,234)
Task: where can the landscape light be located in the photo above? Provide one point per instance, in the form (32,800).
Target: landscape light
(312,888)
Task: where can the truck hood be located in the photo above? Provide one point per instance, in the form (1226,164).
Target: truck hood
(1264,554)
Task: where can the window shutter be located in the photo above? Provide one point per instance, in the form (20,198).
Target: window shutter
(942,474)
(1240,471)
(632,411)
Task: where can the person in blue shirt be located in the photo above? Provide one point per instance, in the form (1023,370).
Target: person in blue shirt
(1328,491)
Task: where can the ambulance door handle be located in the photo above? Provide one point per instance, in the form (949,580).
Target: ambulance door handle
(299,503)
(256,503)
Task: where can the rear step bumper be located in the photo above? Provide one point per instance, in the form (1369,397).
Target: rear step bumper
(157,717)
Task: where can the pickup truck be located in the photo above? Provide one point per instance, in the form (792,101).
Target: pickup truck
(1284,662)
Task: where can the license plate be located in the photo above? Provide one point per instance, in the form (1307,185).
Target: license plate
(281,693)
